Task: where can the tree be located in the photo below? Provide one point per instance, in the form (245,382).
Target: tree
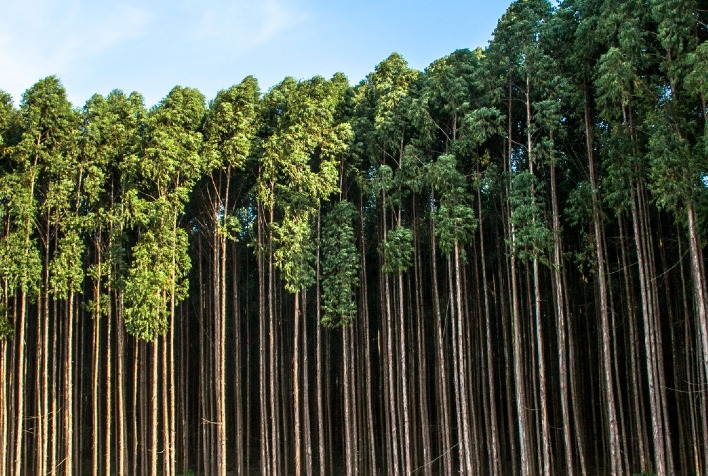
(229,128)
(156,280)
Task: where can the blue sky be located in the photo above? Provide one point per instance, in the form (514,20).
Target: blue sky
(150,46)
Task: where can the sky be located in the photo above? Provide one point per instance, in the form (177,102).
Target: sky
(150,46)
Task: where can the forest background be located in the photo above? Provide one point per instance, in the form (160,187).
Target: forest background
(492,265)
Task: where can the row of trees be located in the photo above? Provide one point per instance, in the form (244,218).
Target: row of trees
(494,265)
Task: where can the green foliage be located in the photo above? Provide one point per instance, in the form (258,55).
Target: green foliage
(382,107)
(697,78)
(443,176)
(388,86)
(454,219)
(532,238)
(6,329)
(20,263)
(172,161)
(8,118)
(397,250)
(481,124)
(616,83)
(676,168)
(294,253)
(145,301)
(340,266)
(454,224)
(158,274)
(66,270)
(299,167)
(230,125)
(301,155)
(579,205)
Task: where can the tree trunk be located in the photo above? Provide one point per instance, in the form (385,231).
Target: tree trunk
(305,389)
(420,347)
(408,467)
(296,384)
(390,374)
(108,444)
(367,341)
(95,391)
(121,427)
(20,398)
(263,358)
(239,387)
(69,388)
(609,395)
(318,358)
(154,408)
(699,284)
(462,366)
(4,405)
(561,328)
(219,345)
(648,298)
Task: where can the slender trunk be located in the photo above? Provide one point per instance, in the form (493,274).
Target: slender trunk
(352,356)
(203,447)
(634,353)
(407,468)
(578,419)
(69,388)
(519,374)
(139,440)
(239,387)
(121,427)
(318,357)
(184,364)
(699,284)
(421,351)
(263,360)
(95,390)
(154,408)
(650,344)
(367,341)
(546,437)
(609,395)
(561,328)
(296,384)
(169,379)
(443,398)
(45,417)
(37,404)
(109,390)
(347,383)
(463,345)
(219,345)
(495,456)
(20,375)
(390,374)
(274,432)
(305,388)
(4,406)
(166,453)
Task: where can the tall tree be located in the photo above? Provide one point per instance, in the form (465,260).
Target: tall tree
(229,129)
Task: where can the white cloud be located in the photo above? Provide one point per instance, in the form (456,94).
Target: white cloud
(42,37)
(243,24)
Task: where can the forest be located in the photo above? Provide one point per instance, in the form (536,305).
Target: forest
(491,266)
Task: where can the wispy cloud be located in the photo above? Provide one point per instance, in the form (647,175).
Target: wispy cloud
(41,37)
(243,24)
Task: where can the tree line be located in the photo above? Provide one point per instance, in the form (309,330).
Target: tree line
(491,266)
